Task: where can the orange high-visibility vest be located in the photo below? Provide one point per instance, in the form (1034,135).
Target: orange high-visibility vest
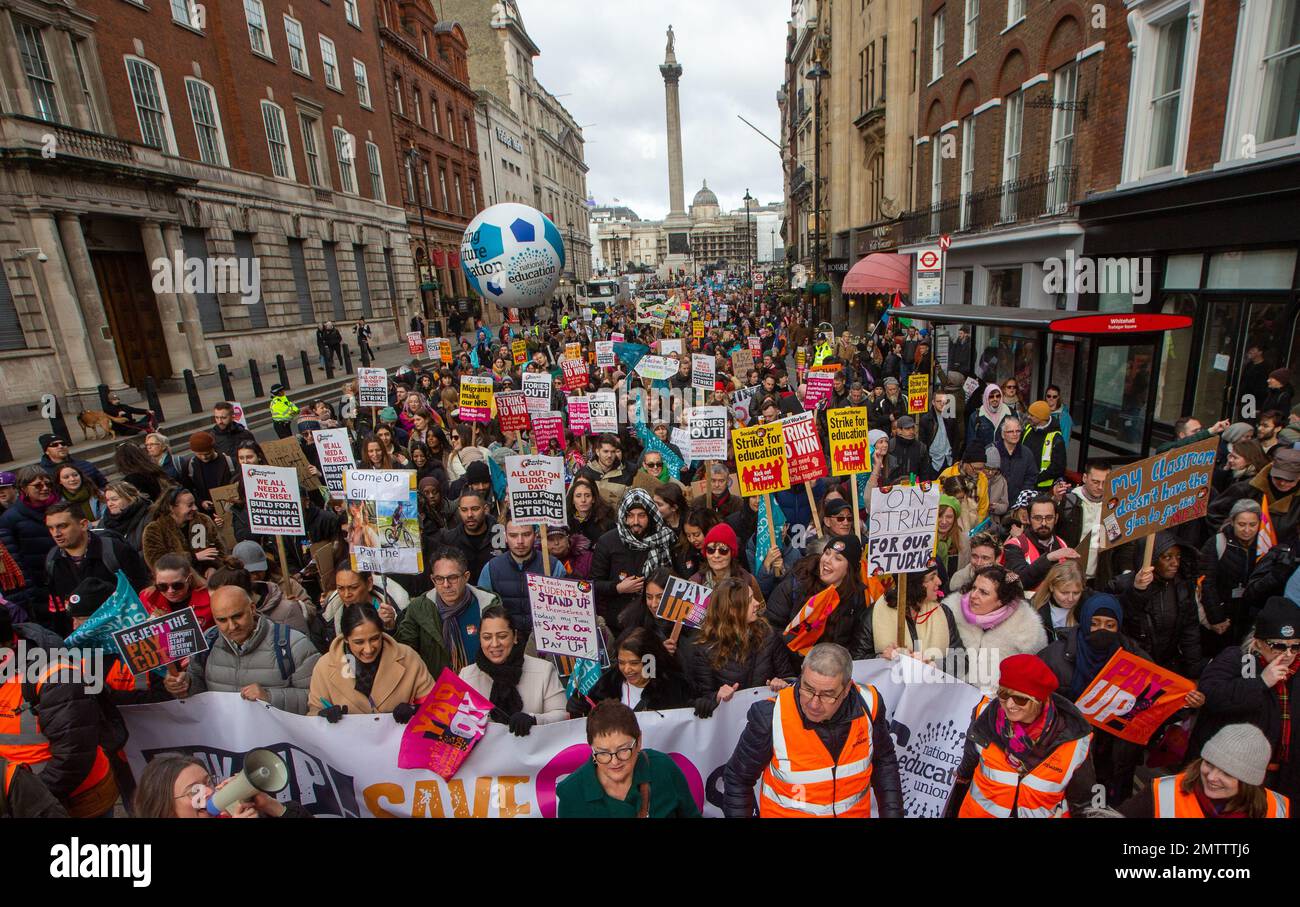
(802,780)
(998,786)
(1172,803)
(21,740)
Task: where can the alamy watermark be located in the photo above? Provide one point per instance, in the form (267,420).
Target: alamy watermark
(1084,275)
(36,664)
(179,274)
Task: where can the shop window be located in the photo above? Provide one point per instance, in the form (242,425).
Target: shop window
(1183,272)
(1215,364)
(1004,286)
(1267,269)
(1175,356)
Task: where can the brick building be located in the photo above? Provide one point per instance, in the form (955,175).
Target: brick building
(1196,170)
(140,134)
(427,82)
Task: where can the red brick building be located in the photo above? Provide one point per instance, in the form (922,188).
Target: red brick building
(432,107)
(253,131)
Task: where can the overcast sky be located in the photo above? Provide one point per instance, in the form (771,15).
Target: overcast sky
(604,58)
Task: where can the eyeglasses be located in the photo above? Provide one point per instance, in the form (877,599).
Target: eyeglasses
(717,549)
(819,696)
(1010,431)
(623,753)
(1051,395)
(40,483)
(1018,698)
(447,580)
(173,587)
(1281,647)
(840,516)
(195,789)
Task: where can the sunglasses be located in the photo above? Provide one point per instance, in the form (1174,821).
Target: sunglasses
(717,549)
(173,587)
(57,444)
(1018,698)
(1281,647)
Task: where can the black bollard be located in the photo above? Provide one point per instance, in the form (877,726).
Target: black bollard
(226,387)
(5,453)
(192,389)
(329,367)
(347,359)
(57,425)
(151,395)
(306,369)
(256,378)
(284,373)
(365,356)
(103,397)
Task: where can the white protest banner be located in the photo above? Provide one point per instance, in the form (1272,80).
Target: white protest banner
(564,616)
(681,439)
(274,505)
(603,409)
(605,354)
(704,371)
(656,368)
(740,402)
(237,413)
(372,387)
(536,488)
(903,522)
(537,391)
(708,425)
(670,345)
(383,531)
(335,453)
(350,769)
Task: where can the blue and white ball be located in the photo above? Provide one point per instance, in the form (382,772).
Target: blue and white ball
(512,255)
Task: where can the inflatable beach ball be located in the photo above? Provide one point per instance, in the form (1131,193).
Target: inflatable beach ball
(512,255)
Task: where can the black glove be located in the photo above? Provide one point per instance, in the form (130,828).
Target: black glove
(705,706)
(521,723)
(404,712)
(334,714)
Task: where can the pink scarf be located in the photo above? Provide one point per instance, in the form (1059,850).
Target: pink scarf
(985,621)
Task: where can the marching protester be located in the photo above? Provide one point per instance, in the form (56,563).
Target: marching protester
(366,671)
(733,649)
(524,690)
(994,622)
(643,677)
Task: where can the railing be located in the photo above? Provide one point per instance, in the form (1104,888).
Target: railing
(798,179)
(1044,195)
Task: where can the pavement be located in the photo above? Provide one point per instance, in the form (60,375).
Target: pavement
(179,422)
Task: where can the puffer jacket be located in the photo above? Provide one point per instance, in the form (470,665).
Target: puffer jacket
(753,754)
(23,533)
(229,668)
(1225,573)
(1171,635)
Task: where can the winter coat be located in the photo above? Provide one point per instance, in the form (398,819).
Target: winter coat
(1172,636)
(421,628)
(296,613)
(1019,468)
(578,564)
(906,458)
(401,678)
(754,749)
(669,689)
(163,536)
(384,589)
(227,440)
(1061,655)
(1031,575)
(1224,574)
(229,668)
(1033,441)
(784,603)
(506,577)
(65,573)
(1020,634)
(612,561)
(864,642)
(129,523)
(1284,510)
(27,796)
(539,688)
(1234,694)
(477,548)
(23,533)
(706,677)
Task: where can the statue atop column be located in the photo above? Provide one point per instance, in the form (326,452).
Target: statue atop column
(669,51)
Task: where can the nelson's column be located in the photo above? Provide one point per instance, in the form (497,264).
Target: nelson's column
(678,223)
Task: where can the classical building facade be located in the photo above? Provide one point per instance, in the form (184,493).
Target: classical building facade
(248,140)
(501,56)
(504,160)
(435,152)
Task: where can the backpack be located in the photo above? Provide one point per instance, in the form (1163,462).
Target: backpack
(279,638)
(109,560)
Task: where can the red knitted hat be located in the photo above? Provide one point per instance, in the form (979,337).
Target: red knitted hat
(1030,675)
(723,534)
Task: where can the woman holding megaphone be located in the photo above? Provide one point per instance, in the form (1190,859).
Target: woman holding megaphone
(177,786)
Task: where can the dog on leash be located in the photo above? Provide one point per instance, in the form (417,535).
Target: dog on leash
(95,420)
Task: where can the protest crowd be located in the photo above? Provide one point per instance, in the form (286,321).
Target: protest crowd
(653,506)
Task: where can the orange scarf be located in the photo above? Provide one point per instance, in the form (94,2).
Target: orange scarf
(804,631)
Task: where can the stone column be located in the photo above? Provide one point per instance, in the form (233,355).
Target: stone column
(672,73)
(169,307)
(67,329)
(189,307)
(102,343)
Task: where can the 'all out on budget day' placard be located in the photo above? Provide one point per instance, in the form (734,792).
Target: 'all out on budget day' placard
(372,387)
(274,504)
(564,617)
(536,488)
(903,523)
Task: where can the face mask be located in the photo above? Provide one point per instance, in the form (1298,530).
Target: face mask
(1101,641)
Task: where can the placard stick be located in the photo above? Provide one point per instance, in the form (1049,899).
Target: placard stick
(901,601)
(546,554)
(677,631)
(857,517)
(812,505)
(473,434)
(708,484)
(284,563)
(1149,551)
(771,528)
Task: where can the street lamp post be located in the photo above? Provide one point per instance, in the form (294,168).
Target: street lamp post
(817,74)
(749,263)
(414,156)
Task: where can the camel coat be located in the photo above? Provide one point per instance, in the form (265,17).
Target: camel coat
(402,677)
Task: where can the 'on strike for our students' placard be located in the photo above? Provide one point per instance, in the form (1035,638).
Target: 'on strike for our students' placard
(903,523)
(274,504)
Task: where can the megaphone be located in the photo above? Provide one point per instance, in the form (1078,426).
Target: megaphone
(263,772)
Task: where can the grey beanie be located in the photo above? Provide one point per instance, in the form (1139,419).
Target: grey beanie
(1242,751)
(1236,431)
(994,458)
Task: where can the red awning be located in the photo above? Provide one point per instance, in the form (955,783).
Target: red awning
(439,258)
(880,272)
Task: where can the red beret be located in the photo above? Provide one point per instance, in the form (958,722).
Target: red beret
(725,535)
(1030,675)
